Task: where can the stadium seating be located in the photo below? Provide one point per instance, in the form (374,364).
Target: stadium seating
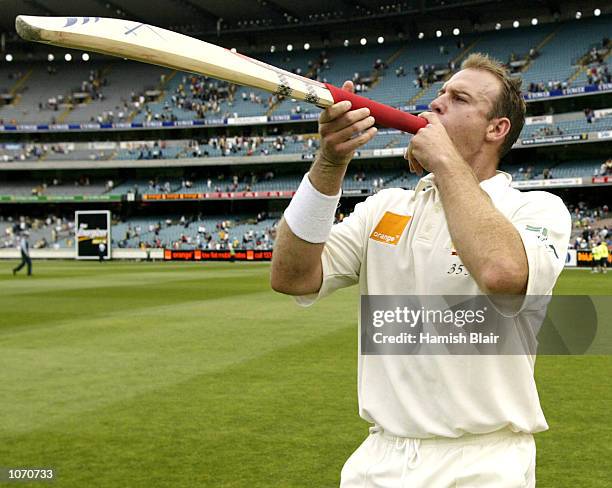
(559,48)
(185,236)
(302,144)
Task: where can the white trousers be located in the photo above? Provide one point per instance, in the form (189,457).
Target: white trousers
(501,459)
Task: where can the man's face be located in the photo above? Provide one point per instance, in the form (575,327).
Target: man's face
(463,105)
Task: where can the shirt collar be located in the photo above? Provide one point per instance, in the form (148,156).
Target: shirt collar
(497,183)
(425,182)
(493,185)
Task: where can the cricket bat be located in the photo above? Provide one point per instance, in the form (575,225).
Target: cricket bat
(154,45)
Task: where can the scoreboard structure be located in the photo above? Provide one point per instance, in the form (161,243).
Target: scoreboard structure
(93,229)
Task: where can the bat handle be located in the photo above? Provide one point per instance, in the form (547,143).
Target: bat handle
(384,115)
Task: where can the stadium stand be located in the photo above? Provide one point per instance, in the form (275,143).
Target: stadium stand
(240,146)
(209,232)
(74,98)
(397,73)
(240,231)
(359,180)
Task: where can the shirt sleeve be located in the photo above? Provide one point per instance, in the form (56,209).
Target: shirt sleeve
(342,255)
(544,225)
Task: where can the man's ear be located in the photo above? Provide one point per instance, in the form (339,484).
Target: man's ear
(498,129)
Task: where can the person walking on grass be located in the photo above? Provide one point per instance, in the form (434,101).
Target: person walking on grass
(24,247)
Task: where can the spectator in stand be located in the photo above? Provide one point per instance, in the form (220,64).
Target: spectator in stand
(379,65)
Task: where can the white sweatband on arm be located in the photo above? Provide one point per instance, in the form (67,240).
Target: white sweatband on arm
(310,214)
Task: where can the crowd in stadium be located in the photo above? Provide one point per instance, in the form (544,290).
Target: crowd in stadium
(29,152)
(254,233)
(548,131)
(91,88)
(606,168)
(56,232)
(49,232)
(201,95)
(598,71)
(224,146)
(591,225)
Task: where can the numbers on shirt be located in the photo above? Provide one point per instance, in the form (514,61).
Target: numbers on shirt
(458,269)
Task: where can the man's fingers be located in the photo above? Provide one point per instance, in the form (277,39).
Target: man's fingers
(409,158)
(418,169)
(357,142)
(348,86)
(413,164)
(351,130)
(431,117)
(343,121)
(407,153)
(410,166)
(339,108)
(335,111)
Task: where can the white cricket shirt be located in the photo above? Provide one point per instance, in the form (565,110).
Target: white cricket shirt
(397,243)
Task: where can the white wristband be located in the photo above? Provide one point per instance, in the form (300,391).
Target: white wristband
(310,214)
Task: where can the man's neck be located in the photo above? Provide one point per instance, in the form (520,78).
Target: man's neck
(483,165)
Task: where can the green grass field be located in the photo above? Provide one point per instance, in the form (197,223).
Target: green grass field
(192,374)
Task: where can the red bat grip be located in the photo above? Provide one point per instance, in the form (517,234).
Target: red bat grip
(384,115)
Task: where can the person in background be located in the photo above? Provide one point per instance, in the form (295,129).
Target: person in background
(24,247)
(595,250)
(603,257)
(101,251)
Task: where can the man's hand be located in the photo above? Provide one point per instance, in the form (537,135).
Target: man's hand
(343,130)
(431,148)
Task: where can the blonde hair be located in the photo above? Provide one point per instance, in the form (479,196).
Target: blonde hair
(509,103)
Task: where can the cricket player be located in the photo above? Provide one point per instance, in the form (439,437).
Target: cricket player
(24,247)
(437,421)
(603,256)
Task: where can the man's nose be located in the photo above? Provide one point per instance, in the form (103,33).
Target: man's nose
(436,106)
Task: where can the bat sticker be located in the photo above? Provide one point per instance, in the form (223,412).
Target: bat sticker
(70,21)
(283,88)
(312,96)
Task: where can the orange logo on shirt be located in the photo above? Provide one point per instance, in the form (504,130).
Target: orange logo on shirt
(390,228)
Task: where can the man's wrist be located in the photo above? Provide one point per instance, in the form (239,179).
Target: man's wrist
(310,214)
(451,166)
(327,176)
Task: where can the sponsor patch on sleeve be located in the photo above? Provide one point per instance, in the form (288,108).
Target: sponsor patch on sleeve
(542,235)
(390,227)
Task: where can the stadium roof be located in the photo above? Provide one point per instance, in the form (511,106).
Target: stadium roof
(246,19)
